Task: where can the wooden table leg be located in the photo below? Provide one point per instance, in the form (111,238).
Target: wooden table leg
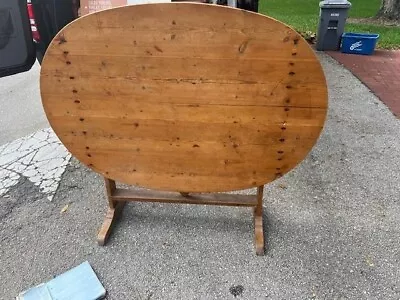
(258,222)
(111,217)
(114,210)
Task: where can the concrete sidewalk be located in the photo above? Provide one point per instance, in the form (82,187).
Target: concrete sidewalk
(332,224)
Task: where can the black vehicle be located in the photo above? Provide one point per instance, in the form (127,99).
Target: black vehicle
(28,26)
(47,17)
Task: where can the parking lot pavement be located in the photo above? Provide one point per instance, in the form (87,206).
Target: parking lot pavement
(332,225)
(21,109)
(39,158)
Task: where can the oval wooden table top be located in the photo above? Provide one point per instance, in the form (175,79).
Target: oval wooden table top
(183,96)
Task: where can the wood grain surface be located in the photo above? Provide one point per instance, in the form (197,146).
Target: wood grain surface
(184,97)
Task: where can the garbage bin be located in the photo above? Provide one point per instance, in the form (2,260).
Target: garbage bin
(332,18)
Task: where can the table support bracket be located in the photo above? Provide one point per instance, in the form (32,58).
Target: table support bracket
(118,197)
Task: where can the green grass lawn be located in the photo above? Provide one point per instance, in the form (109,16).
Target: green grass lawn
(303,15)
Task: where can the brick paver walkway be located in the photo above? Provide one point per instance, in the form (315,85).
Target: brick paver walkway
(380,72)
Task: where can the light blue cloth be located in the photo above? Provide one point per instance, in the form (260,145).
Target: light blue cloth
(79,283)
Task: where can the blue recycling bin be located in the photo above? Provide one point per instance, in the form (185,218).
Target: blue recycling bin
(359,43)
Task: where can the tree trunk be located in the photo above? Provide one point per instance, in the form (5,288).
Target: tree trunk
(390,9)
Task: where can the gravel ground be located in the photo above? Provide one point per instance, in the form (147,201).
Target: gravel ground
(332,224)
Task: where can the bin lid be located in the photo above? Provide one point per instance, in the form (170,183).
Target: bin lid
(334,4)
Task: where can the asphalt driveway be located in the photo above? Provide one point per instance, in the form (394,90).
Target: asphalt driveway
(21,108)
